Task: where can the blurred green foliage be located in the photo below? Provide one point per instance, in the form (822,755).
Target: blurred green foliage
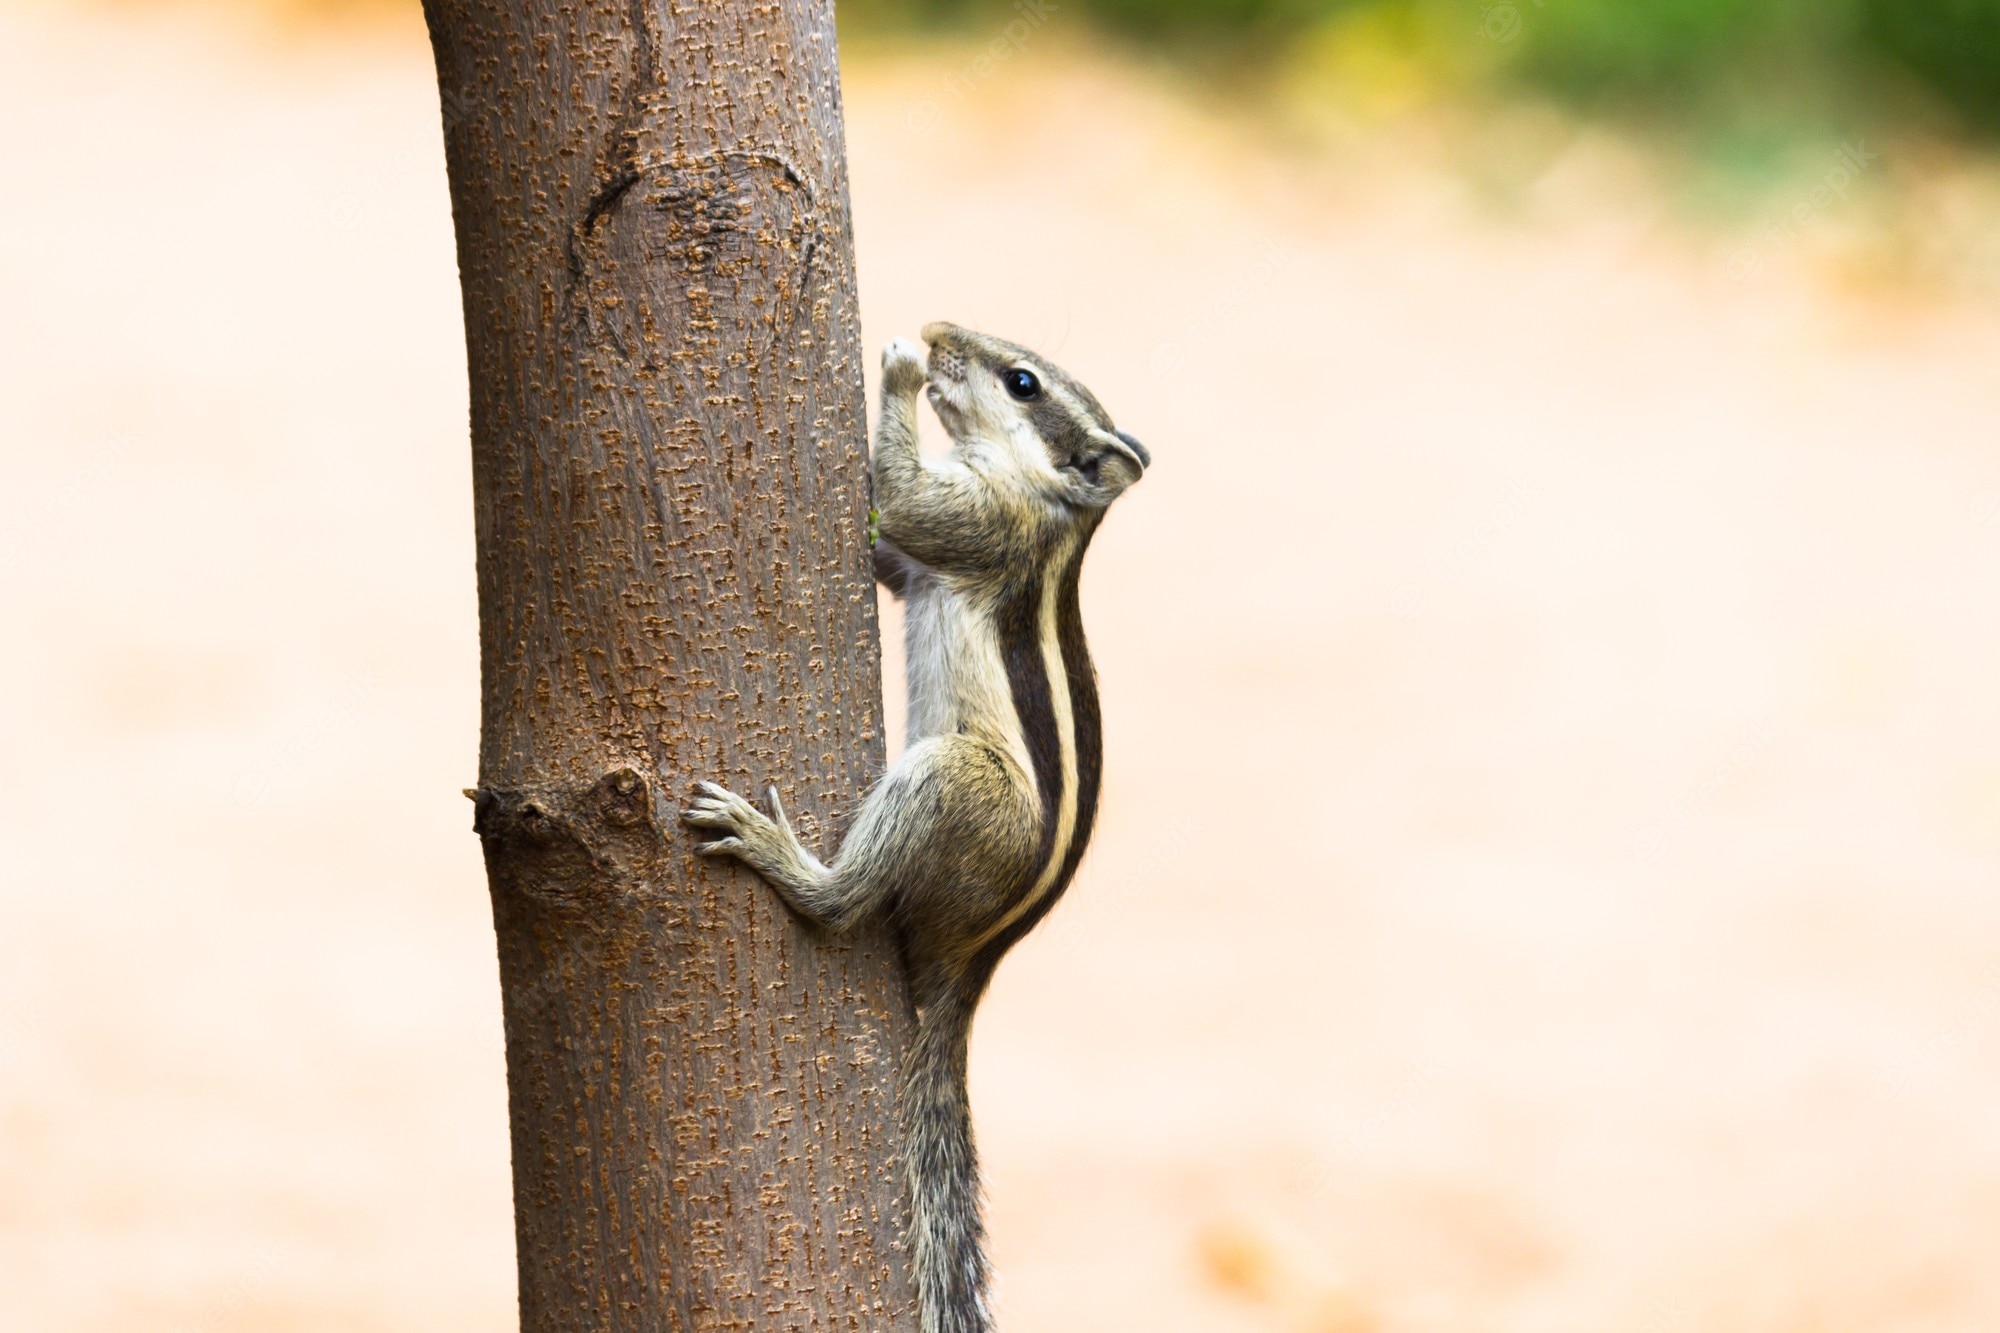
(1828,61)
(1953,45)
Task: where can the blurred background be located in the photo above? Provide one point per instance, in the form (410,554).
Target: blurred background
(1548,876)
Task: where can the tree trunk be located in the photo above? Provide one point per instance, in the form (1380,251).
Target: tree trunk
(674,583)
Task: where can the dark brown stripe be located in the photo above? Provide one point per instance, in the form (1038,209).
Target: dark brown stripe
(1087,721)
(1087,725)
(1028,682)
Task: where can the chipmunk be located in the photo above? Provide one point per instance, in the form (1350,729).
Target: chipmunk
(975,831)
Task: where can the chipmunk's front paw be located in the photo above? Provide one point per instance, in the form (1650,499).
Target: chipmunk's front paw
(903,368)
(747,834)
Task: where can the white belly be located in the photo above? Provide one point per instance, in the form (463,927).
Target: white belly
(958,681)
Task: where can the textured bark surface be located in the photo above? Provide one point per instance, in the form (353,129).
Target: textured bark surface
(655,250)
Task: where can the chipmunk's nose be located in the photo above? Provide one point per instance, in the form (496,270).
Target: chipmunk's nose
(940,334)
(1145,454)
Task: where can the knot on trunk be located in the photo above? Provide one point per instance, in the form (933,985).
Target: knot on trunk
(661,249)
(571,844)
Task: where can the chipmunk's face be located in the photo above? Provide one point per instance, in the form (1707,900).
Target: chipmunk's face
(1005,396)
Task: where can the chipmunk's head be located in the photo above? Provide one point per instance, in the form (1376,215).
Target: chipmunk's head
(1005,396)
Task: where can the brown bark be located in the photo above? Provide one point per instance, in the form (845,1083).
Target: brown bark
(655,250)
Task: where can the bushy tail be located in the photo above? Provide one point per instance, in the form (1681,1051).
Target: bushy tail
(947,1237)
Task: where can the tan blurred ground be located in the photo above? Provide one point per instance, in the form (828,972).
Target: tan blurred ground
(1548,882)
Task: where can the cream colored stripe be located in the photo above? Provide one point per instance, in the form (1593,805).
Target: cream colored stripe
(1059,703)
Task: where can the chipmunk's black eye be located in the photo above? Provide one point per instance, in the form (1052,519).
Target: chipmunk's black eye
(1021,383)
